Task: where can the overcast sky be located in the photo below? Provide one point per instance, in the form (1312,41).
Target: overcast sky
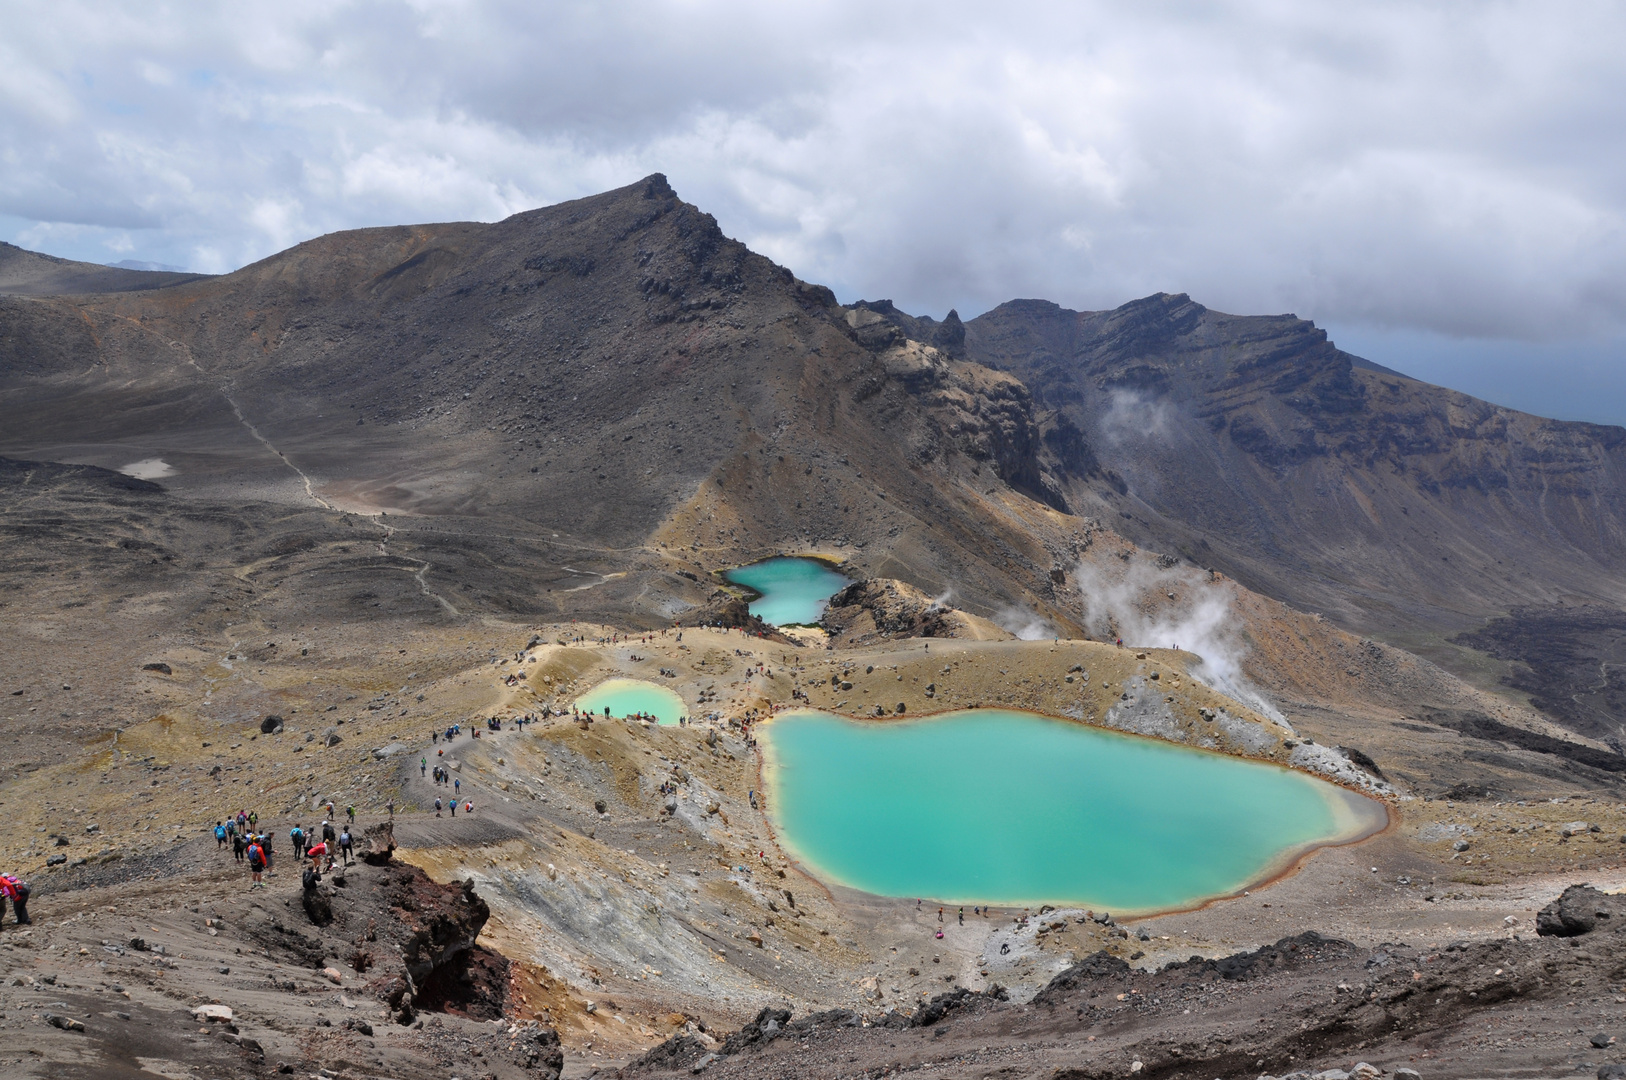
(1443,185)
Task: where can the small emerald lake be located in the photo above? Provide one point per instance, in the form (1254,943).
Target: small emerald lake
(631,697)
(790,590)
(995,806)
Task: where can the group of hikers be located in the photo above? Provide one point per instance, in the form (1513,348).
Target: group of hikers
(444,776)
(253,848)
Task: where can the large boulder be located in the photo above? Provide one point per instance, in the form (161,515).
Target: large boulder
(1581,909)
(378,843)
(537,1050)
(271,725)
(768,1026)
(318,905)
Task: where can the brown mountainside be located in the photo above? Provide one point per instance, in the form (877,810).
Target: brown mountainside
(611,384)
(583,410)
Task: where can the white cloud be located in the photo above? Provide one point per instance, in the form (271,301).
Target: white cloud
(1432,167)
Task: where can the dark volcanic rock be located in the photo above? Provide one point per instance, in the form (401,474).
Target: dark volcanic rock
(440,957)
(318,904)
(1094,968)
(958,998)
(538,1050)
(674,1055)
(1307,999)
(1581,909)
(1571,661)
(768,1025)
(1480,726)
(377,846)
(897,610)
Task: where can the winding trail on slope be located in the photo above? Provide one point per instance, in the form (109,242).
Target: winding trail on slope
(421,574)
(254,431)
(185,351)
(427,591)
(237,411)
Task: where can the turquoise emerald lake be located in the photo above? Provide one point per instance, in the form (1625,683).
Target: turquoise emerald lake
(993,806)
(630,697)
(792,590)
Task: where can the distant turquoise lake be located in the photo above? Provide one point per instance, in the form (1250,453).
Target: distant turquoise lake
(626,697)
(792,590)
(1012,808)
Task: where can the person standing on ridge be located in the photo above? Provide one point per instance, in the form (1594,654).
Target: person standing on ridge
(220,835)
(351,810)
(345,844)
(423,766)
(297,836)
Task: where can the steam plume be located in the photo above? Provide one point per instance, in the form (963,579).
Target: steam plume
(1024,622)
(1173,607)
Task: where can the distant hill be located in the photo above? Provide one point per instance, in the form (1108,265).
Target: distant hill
(142,264)
(28,273)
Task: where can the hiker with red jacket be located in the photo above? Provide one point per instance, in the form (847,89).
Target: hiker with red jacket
(256,862)
(16,890)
